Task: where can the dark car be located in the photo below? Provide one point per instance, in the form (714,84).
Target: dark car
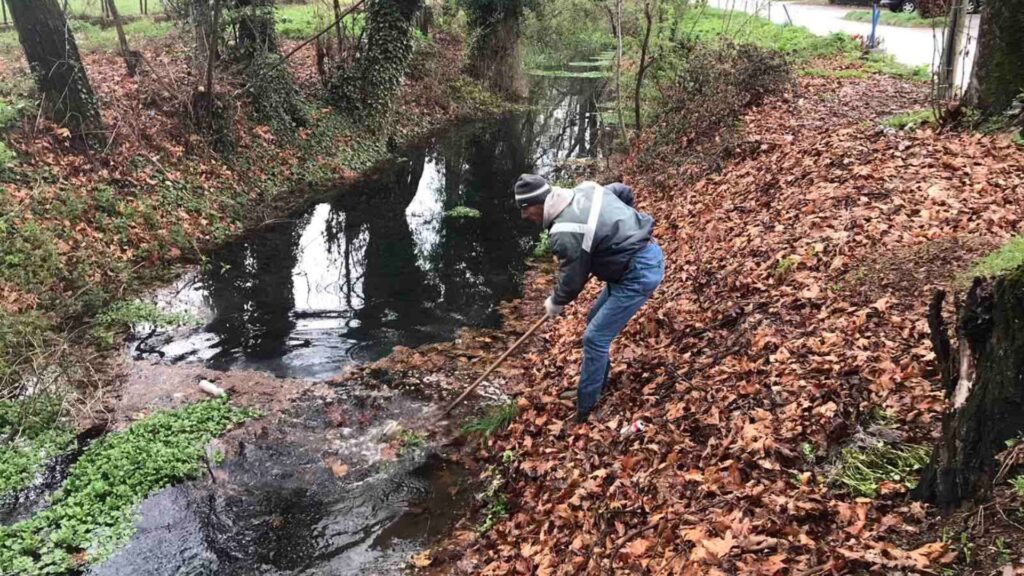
(908,6)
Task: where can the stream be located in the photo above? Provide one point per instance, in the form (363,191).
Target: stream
(363,268)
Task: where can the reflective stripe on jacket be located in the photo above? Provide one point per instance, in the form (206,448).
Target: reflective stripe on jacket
(596,233)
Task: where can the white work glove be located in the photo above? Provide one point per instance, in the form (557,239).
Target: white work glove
(552,309)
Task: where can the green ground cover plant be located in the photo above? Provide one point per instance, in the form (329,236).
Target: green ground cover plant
(31,432)
(92,512)
(910,120)
(862,470)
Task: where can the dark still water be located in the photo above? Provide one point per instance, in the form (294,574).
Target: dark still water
(378,263)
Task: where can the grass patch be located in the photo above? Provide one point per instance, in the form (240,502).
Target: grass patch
(885,64)
(799,42)
(92,38)
(497,419)
(302,21)
(124,7)
(1009,256)
(91,515)
(462,212)
(910,121)
(912,20)
(822,73)
(1018,138)
(31,433)
(568,73)
(861,471)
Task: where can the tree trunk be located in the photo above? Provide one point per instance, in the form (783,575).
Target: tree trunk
(212,40)
(367,87)
(131,58)
(256,26)
(337,30)
(952,43)
(999,63)
(53,57)
(617,26)
(495,57)
(985,379)
(426,20)
(642,65)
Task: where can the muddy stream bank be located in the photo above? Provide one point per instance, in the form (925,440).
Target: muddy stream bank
(314,319)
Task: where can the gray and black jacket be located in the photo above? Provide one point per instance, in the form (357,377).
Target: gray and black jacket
(593,230)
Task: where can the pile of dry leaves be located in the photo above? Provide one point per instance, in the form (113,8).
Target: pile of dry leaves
(794,304)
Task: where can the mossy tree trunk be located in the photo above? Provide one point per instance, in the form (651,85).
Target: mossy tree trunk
(998,75)
(367,87)
(985,385)
(56,64)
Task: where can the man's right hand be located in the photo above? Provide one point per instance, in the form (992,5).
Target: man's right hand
(552,309)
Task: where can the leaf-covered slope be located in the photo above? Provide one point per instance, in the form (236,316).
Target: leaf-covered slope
(793,311)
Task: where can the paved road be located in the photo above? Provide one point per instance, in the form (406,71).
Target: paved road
(912,46)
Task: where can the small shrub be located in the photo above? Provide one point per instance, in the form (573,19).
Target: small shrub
(1018,485)
(498,418)
(861,471)
(910,121)
(701,98)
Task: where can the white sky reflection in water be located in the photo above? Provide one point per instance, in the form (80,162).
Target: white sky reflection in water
(328,277)
(425,212)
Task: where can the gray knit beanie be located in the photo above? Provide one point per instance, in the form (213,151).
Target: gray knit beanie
(531,189)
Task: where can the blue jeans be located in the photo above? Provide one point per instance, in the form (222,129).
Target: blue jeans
(613,309)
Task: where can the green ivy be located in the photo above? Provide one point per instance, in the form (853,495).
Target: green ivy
(366,88)
(91,515)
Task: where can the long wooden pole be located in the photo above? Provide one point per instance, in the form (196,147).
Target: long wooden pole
(494,366)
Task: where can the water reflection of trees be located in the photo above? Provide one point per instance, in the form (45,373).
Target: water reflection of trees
(569,125)
(388,291)
(250,287)
(477,259)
